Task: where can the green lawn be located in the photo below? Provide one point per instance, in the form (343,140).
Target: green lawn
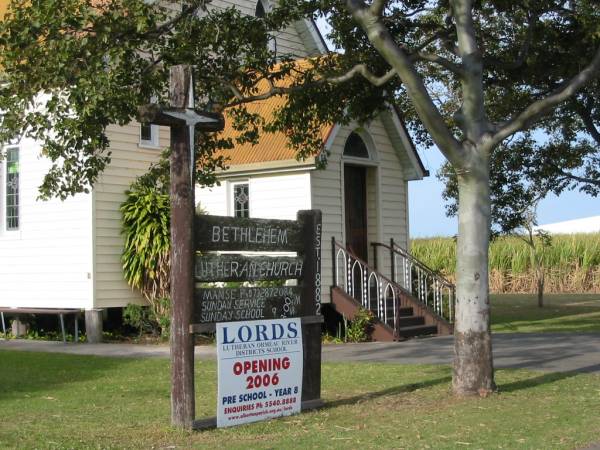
(66,401)
(561,313)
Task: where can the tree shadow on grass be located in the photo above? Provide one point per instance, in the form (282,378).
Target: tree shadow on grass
(394,390)
(577,325)
(28,372)
(546,378)
(547,319)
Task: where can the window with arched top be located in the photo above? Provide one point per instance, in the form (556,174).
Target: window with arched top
(262,7)
(260,10)
(356,147)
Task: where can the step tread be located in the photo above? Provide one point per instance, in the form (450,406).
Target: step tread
(411,320)
(418,327)
(417,330)
(408,321)
(406,311)
(403,312)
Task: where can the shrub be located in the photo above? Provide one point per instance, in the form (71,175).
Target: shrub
(146,256)
(145,320)
(360,328)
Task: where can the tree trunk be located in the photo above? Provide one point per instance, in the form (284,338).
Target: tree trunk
(473,365)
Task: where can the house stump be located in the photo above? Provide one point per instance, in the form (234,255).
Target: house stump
(93,325)
(18,328)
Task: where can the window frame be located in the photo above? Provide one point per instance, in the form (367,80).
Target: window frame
(154,141)
(265,8)
(4,190)
(232,202)
(363,145)
(372,159)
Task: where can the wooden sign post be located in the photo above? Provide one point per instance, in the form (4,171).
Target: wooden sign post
(183,120)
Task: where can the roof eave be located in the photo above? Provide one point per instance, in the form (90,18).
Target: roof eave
(308,30)
(286,165)
(418,171)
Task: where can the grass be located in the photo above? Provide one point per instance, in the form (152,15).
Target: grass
(572,262)
(67,401)
(561,313)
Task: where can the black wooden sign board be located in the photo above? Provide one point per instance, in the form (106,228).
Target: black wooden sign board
(214,304)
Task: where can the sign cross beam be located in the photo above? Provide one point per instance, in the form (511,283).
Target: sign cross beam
(182,111)
(191,117)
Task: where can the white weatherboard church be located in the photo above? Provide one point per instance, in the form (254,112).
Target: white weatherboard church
(57,254)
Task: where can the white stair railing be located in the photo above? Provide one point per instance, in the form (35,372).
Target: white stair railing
(427,286)
(367,286)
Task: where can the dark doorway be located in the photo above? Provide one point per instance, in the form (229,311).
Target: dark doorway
(355,203)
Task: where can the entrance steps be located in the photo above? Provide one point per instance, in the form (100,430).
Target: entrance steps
(400,313)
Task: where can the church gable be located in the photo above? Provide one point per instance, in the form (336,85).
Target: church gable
(301,39)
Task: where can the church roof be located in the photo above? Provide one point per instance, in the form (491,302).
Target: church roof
(273,151)
(270,146)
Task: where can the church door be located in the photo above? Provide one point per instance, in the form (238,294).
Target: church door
(355,203)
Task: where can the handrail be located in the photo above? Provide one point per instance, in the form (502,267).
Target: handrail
(370,288)
(383,295)
(430,288)
(403,252)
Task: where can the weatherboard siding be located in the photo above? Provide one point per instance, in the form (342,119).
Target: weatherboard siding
(47,263)
(278,196)
(393,192)
(289,41)
(327,195)
(129,160)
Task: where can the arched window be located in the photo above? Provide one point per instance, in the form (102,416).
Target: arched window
(260,10)
(262,7)
(356,147)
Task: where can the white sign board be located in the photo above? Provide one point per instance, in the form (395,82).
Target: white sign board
(260,370)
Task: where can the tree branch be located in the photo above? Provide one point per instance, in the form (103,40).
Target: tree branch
(585,113)
(240,99)
(170,24)
(523,51)
(397,58)
(443,33)
(361,69)
(571,176)
(475,124)
(465,30)
(377,7)
(446,63)
(413,12)
(544,106)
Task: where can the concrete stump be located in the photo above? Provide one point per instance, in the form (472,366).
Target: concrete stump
(19,329)
(93,325)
